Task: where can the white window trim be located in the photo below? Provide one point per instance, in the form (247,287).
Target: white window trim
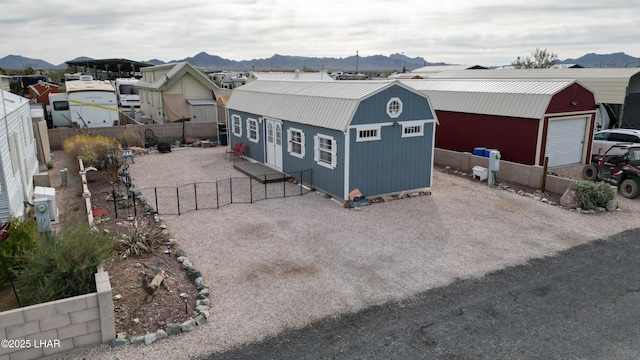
(233,127)
(334,151)
(406,124)
(377,127)
(249,121)
(290,143)
(394,115)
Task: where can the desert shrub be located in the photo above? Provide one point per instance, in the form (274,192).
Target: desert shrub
(64,265)
(592,194)
(22,240)
(130,138)
(143,237)
(94,150)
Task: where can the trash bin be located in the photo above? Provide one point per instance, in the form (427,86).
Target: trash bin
(223,139)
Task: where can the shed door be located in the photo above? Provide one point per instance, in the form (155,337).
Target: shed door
(565,141)
(274,143)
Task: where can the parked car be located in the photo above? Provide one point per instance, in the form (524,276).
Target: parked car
(604,140)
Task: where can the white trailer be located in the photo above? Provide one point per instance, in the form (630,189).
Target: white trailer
(127,92)
(86,103)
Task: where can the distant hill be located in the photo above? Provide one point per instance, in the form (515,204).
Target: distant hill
(20,62)
(288,62)
(393,62)
(616,60)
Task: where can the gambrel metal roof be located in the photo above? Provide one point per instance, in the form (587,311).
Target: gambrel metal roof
(326,104)
(609,85)
(297,75)
(515,98)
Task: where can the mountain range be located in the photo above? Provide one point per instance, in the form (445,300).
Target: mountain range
(393,62)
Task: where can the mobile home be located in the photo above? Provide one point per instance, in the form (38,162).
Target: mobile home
(127,92)
(86,103)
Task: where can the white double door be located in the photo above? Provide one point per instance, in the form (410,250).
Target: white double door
(274,143)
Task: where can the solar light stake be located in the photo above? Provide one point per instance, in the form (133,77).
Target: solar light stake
(185,297)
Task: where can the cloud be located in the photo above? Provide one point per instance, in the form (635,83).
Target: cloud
(491,32)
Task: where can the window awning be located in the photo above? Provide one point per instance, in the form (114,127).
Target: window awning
(177,107)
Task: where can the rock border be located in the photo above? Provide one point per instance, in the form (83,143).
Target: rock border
(202,302)
(541,196)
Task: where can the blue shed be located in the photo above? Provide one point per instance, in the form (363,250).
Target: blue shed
(376,136)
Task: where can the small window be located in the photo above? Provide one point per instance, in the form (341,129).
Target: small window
(411,129)
(252,130)
(601,136)
(60,105)
(368,133)
(394,107)
(295,142)
(325,151)
(236,124)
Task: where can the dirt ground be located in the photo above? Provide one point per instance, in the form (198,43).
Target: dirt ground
(133,314)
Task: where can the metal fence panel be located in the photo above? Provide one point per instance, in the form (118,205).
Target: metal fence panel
(213,195)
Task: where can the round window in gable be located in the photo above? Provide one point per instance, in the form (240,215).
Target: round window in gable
(394,107)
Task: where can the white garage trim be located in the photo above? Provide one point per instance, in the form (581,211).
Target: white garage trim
(566,140)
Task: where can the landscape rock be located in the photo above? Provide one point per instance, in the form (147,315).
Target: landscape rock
(188,325)
(150,338)
(173,329)
(119,342)
(569,199)
(204,291)
(201,308)
(186,264)
(161,334)
(137,339)
(204,302)
(200,319)
(612,205)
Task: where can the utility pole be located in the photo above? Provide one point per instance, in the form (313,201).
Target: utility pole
(356,63)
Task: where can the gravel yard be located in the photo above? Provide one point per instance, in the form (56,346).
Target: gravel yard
(284,263)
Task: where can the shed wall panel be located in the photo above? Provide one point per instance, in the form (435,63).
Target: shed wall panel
(327,180)
(374,109)
(252,150)
(516,138)
(392,164)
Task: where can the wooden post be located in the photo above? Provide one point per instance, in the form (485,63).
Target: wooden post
(543,183)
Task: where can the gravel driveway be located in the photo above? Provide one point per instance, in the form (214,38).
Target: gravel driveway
(283,263)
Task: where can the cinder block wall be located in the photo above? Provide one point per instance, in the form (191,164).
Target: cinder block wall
(164,132)
(509,171)
(60,326)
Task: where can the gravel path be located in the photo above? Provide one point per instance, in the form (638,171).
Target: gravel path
(284,263)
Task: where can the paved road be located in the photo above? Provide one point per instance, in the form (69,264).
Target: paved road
(581,304)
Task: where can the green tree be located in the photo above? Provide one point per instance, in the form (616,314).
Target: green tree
(539,59)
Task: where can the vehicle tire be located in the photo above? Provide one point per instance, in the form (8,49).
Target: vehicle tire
(590,172)
(629,188)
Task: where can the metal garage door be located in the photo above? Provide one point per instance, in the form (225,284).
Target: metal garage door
(565,141)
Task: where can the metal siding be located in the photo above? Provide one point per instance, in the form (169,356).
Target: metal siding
(516,138)
(607,85)
(14,182)
(415,106)
(392,164)
(252,150)
(330,181)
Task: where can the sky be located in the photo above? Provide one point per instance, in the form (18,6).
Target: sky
(487,32)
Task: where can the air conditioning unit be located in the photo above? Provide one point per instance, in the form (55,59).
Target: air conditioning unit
(49,193)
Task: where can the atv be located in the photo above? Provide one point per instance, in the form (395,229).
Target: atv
(620,170)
